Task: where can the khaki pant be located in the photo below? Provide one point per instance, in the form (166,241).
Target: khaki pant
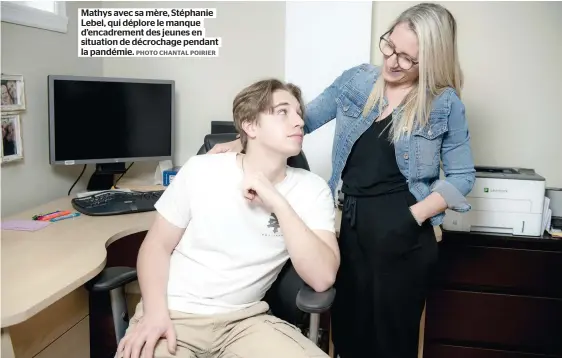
(248,333)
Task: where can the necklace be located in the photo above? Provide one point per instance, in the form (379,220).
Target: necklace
(251,191)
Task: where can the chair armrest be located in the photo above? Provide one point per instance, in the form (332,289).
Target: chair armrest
(310,301)
(111,278)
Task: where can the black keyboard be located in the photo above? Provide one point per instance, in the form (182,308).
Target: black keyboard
(117,202)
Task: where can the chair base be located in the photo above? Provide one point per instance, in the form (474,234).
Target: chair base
(314,326)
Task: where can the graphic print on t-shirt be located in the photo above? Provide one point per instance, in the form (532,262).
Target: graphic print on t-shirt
(273,226)
(273,223)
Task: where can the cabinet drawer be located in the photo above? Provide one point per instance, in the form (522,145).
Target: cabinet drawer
(448,351)
(503,270)
(519,323)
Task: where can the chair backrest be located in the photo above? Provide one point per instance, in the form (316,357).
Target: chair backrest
(282,295)
(210,140)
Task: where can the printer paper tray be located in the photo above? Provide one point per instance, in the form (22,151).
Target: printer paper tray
(510,223)
(501,205)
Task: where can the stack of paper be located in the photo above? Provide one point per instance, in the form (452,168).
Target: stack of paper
(547,221)
(546,215)
(24,225)
(555,233)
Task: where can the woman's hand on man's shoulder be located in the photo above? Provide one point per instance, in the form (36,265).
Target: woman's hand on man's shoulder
(233,146)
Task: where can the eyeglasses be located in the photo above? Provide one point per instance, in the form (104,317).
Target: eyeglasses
(404,61)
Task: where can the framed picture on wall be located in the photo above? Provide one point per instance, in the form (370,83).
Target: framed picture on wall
(12,146)
(13,93)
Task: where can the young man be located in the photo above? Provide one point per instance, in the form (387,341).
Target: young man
(223,230)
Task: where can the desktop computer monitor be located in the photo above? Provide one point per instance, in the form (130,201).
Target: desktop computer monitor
(109,121)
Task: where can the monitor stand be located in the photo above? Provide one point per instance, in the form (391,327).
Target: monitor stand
(103,177)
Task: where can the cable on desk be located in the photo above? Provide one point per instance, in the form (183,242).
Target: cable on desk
(80,176)
(125,172)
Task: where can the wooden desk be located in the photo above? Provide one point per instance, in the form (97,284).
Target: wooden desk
(41,268)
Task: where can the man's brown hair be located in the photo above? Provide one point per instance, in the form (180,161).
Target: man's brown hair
(258,98)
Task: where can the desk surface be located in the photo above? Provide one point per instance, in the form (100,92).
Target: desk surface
(41,267)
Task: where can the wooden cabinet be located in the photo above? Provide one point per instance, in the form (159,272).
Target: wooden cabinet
(495,296)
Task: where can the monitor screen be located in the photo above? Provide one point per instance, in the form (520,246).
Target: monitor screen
(109,120)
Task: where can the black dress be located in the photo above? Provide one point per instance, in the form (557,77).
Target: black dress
(386,257)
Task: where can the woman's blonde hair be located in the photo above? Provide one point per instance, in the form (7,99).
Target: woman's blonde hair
(439,66)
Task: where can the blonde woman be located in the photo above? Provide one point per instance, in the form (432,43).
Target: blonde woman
(395,125)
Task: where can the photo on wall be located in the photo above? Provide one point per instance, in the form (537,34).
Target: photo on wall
(12,147)
(13,93)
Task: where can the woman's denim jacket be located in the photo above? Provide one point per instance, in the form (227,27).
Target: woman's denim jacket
(446,139)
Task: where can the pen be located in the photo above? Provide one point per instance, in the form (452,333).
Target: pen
(64,217)
(38,216)
(53,215)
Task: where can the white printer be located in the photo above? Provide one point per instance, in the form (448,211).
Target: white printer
(504,200)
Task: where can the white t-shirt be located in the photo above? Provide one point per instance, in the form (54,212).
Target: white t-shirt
(231,251)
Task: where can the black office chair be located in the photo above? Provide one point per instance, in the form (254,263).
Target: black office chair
(298,161)
(289,297)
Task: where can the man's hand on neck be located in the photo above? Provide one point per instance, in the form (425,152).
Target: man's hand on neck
(262,171)
(257,189)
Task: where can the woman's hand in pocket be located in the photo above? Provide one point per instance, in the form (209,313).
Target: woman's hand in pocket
(417,213)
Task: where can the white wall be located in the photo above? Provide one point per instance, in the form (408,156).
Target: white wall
(510,53)
(322,39)
(35,54)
